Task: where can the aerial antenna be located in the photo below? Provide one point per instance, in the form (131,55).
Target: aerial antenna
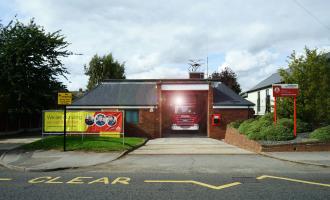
(195,64)
(207,67)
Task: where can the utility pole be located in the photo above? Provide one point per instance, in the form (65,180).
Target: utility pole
(207,66)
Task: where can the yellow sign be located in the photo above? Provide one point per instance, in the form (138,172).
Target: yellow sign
(64,98)
(75,121)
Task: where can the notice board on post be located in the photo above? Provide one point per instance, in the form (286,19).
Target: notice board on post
(85,122)
(286,90)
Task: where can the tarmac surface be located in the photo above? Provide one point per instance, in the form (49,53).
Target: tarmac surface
(173,177)
(234,175)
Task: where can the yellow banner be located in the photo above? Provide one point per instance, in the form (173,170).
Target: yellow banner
(75,121)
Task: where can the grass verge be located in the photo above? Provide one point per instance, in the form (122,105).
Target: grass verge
(89,143)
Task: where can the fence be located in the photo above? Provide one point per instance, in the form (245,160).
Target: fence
(13,122)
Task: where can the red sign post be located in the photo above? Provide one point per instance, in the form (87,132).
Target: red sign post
(286,90)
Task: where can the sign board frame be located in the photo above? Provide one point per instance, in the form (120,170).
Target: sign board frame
(287,90)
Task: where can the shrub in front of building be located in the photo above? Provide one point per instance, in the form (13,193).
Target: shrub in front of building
(263,128)
(322,134)
(303,126)
(235,124)
(276,132)
(254,130)
(244,126)
(286,122)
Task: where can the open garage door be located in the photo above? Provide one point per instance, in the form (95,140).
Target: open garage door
(184,113)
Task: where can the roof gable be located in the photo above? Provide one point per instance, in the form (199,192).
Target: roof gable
(224,96)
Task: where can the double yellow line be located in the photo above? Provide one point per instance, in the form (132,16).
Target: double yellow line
(196,183)
(293,180)
(235,183)
(5,179)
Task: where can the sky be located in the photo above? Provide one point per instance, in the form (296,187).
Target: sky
(156,39)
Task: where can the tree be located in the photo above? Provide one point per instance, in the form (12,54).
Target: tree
(30,66)
(227,77)
(312,73)
(105,67)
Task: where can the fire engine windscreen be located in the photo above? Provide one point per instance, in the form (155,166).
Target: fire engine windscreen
(184,110)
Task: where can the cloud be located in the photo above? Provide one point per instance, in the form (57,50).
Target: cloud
(160,72)
(153,36)
(251,68)
(243,60)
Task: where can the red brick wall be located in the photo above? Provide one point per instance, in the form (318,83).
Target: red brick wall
(227,116)
(148,125)
(233,137)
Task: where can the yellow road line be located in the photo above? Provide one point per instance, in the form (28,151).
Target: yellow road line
(293,180)
(196,183)
(5,179)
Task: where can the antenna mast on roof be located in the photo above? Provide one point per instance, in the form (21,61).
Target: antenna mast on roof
(194,65)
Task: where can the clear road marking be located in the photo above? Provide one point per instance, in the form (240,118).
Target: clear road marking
(5,179)
(122,180)
(80,180)
(196,183)
(293,180)
(104,180)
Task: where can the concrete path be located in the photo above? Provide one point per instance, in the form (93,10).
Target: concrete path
(53,160)
(12,143)
(168,146)
(321,158)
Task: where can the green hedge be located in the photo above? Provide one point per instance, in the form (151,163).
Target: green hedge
(276,132)
(263,128)
(255,127)
(235,124)
(322,134)
(303,126)
(244,126)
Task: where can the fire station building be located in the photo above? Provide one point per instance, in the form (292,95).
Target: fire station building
(156,108)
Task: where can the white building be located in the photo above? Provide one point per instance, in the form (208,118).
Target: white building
(262,94)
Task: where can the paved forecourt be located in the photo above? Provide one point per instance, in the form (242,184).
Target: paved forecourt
(168,146)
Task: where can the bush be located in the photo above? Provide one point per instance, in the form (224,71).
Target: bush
(253,131)
(276,133)
(269,117)
(244,126)
(322,134)
(263,128)
(235,124)
(303,126)
(286,122)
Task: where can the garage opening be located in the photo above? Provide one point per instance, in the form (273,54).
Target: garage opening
(184,113)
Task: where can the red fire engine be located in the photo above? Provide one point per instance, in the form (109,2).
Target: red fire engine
(186,115)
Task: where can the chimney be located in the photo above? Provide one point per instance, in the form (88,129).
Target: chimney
(196,75)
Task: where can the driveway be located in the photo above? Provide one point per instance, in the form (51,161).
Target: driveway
(168,146)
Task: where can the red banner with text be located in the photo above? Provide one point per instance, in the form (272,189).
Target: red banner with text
(104,122)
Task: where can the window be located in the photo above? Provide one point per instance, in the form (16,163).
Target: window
(258,102)
(267,110)
(132,116)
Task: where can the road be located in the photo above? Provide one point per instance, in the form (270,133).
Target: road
(173,177)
